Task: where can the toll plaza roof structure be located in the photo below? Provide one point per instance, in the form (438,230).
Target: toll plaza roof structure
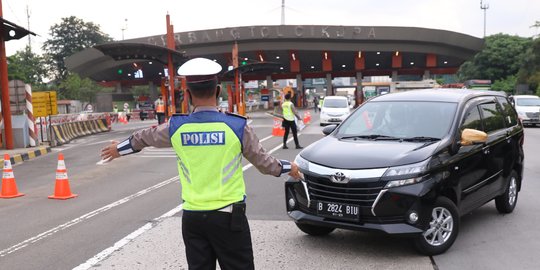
(313,51)
(116,61)
(13,31)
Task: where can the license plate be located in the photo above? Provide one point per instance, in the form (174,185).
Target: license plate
(338,210)
(335,120)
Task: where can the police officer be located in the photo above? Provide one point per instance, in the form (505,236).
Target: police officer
(209,147)
(289,112)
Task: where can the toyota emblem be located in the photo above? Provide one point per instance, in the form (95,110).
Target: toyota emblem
(340,178)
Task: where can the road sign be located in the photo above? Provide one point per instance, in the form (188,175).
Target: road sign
(288,90)
(44,103)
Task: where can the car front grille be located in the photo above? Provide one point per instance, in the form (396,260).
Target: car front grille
(533,115)
(354,192)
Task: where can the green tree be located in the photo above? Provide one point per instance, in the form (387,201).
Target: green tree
(75,87)
(507,84)
(28,67)
(502,56)
(530,70)
(140,90)
(68,37)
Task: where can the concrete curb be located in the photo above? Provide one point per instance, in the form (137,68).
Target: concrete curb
(18,158)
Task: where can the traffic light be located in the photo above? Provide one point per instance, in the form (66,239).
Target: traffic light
(180,95)
(120,71)
(244,62)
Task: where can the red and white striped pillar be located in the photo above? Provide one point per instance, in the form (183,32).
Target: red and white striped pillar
(30,115)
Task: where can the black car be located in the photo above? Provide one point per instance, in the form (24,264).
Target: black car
(411,163)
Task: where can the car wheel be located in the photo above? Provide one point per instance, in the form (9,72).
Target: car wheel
(442,229)
(506,202)
(314,230)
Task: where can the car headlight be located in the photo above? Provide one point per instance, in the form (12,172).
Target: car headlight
(522,115)
(302,163)
(407,174)
(404,182)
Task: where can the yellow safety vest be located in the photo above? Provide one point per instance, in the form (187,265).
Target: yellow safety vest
(287,111)
(209,153)
(160,106)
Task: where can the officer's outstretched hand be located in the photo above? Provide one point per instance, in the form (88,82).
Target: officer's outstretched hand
(110,152)
(295,173)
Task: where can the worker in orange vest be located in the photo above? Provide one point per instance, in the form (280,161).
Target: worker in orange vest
(160,110)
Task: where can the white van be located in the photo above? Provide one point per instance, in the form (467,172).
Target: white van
(528,109)
(334,110)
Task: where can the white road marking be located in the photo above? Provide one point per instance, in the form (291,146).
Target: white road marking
(264,139)
(84,217)
(103,161)
(124,241)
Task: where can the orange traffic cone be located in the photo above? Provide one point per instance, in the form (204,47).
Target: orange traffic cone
(61,189)
(122,118)
(277,129)
(9,187)
(307,117)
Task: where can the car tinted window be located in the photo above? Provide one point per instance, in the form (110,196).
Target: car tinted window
(401,119)
(492,117)
(472,120)
(510,115)
(335,103)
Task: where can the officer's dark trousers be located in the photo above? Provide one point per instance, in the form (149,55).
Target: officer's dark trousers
(207,236)
(160,118)
(292,125)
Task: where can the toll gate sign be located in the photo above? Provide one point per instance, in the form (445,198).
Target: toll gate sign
(44,103)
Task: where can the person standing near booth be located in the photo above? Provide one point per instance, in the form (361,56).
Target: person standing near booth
(289,114)
(160,110)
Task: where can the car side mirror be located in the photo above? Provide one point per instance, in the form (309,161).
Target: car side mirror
(329,129)
(472,136)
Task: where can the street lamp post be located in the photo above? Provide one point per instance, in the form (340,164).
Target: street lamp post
(484,7)
(124,28)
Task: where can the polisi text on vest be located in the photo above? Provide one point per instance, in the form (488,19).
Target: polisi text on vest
(203,138)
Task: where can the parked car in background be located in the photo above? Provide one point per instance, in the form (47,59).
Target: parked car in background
(411,163)
(224,106)
(334,110)
(528,108)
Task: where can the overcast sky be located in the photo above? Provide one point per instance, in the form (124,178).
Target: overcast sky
(146,18)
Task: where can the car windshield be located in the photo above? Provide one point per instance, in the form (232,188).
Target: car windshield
(335,103)
(528,101)
(407,120)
